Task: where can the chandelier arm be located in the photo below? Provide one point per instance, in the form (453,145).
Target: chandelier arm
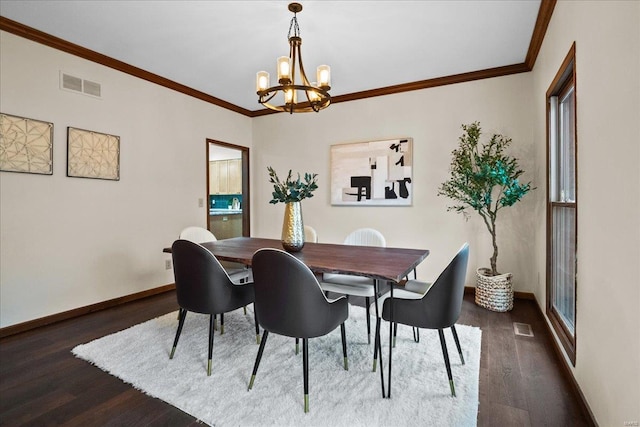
(269,94)
(304,107)
(293,56)
(303,75)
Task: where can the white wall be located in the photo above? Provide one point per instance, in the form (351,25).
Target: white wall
(71,242)
(607,36)
(432,118)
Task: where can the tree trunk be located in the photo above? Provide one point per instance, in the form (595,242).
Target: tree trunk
(494,257)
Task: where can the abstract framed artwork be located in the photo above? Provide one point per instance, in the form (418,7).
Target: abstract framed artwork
(93,155)
(26,145)
(373,173)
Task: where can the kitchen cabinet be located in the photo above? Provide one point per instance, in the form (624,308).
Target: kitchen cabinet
(225,177)
(226,226)
(234,176)
(214,180)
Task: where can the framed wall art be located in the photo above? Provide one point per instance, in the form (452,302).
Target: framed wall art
(374,173)
(26,145)
(93,155)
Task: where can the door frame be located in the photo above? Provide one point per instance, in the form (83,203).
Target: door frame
(246,187)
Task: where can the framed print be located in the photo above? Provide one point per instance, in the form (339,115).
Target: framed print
(93,155)
(374,173)
(26,145)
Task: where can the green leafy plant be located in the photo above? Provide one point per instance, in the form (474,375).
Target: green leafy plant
(484,179)
(292,190)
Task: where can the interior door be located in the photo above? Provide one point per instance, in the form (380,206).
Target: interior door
(228,212)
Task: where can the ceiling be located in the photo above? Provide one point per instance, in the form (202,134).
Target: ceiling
(216,47)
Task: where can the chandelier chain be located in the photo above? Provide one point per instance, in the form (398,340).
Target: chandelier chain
(296,29)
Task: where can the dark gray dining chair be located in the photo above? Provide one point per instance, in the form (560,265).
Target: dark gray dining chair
(237,273)
(203,286)
(290,302)
(431,306)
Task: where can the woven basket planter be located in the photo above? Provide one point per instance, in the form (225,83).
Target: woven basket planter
(494,293)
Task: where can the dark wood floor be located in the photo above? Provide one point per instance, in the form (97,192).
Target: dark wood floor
(42,383)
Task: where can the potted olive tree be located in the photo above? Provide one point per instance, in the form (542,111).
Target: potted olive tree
(485,179)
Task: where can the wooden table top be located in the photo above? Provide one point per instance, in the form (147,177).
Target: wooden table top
(383,263)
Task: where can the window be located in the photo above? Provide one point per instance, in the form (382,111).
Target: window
(562,204)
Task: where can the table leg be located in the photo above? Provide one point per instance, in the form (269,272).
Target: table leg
(378,342)
(390,339)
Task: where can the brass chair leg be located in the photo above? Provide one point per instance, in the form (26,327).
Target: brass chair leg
(211,334)
(265,335)
(305,367)
(344,347)
(455,338)
(181,316)
(445,354)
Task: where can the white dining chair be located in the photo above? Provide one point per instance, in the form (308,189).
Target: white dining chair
(310,234)
(358,286)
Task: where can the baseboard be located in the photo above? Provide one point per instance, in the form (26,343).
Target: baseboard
(566,369)
(47,320)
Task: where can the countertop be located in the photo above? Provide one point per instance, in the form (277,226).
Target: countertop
(215,212)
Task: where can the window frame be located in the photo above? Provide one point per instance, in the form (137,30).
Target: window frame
(564,80)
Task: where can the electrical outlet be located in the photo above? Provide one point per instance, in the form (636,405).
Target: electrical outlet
(200,203)
(167,264)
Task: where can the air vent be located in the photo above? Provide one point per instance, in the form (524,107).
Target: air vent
(78,85)
(71,83)
(522,329)
(91,88)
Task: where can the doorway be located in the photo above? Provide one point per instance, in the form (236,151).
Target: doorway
(228,213)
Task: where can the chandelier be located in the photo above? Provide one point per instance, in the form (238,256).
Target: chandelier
(295,98)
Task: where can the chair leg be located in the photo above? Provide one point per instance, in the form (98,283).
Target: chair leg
(245,310)
(395,333)
(305,367)
(416,335)
(367,301)
(297,346)
(265,334)
(211,333)
(221,323)
(344,347)
(181,316)
(443,344)
(215,322)
(455,338)
(255,321)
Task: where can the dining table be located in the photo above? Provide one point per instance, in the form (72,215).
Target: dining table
(388,264)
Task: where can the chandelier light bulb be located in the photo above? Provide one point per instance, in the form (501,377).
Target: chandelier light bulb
(312,94)
(324,76)
(262,80)
(284,69)
(290,96)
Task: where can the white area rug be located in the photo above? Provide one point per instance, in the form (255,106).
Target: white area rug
(420,389)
